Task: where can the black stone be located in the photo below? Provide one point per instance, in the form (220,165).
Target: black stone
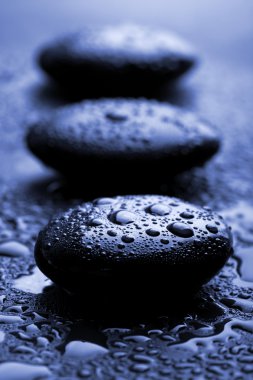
(116,59)
(132,251)
(137,147)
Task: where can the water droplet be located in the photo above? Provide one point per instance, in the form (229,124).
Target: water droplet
(122,217)
(152,232)
(137,338)
(96,222)
(22,371)
(2,336)
(112,233)
(159,209)
(104,201)
(116,117)
(13,249)
(212,228)
(140,368)
(181,230)
(83,350)
(186,215)
(127,239)
(9,319)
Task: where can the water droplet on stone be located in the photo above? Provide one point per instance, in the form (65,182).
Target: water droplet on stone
(212,228)
(103,201)
(186,215)
(181,230)
(123,217)
(127,239)
(112,233)
(96,222)
(152,232)
(116,117)
(159,209)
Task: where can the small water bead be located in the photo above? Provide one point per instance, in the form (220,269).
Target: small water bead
(159,209)
(103,201)
(21,349)
(212,228)
(137,339)
(152,232)
(96,222)
(164,241)
(123,217)
(186,215)
(139,368)
(181,230)
(116,117)
(127,239)
(85,373)
(112,233)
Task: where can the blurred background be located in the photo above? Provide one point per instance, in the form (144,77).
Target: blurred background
(219,27)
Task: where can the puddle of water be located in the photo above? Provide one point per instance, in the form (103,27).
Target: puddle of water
(245,255)
(207,343)
(2,336)
(34,283)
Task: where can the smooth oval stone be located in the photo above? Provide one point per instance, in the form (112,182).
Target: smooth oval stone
(150,255)
(116,59)
(153,141)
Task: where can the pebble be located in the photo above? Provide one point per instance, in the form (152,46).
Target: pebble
(82,257)
(108,142)
(117,59)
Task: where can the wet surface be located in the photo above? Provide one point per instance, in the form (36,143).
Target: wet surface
(49,334)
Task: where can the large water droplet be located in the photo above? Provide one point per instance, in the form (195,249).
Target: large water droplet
(96,222)
(152,232)
(83,350)
(104,201)
(127,239)
(212,228)
(186,215)
(159,209)
(122,217)
(13,249)
(181,230)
